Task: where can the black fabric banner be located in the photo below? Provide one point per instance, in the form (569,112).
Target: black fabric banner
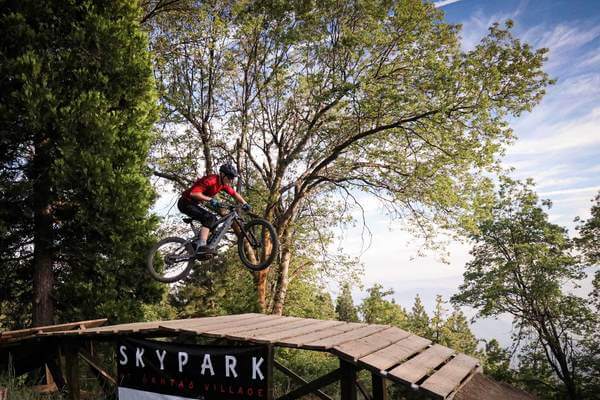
(175,371)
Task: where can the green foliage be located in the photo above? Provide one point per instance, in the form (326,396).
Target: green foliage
(497,362)
(344,305)
(457,334)
(418,320)
(219,287)
(307,299)
(520,265)
(77,106)
(588,242)
(308,364)
(375,309)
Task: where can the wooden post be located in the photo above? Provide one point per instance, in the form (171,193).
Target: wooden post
(379,387)
(72,371)
(348,380)
(270,361)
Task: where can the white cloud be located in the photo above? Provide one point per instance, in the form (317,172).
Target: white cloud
(584,132)
(590,189)
(568,36)
(590,59)
(443,3)
(563,40)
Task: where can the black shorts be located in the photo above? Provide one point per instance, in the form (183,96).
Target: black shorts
(197,212)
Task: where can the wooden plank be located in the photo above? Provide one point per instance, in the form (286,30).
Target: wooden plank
(275,330)
(301,340)
(479,386)
(450,376)
(207,320)
(95,365)
(359,348)
(51,328)
(153,325)
(421,365)
(111,329)
(298,330)
(257,334)
(186,325)
(394,354)
(205,330)
(242,330)
(329,342)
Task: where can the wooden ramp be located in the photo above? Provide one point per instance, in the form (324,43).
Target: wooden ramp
(434,370)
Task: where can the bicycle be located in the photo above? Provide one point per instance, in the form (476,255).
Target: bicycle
(172,258)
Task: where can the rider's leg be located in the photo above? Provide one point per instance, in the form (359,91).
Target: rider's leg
(204,231)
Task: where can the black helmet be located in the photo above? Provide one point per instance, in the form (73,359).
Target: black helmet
(228,170)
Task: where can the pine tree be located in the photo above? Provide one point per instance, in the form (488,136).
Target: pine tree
(344,306)
(418,319)
(77,107)
(375,309)
(457,334)
(436,326)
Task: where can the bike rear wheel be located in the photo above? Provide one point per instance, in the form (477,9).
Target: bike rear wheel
(259,246)
(170,259)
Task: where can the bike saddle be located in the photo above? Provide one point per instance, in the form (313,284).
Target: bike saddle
(187,220)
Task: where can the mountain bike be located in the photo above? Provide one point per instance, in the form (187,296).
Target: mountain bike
(172,258)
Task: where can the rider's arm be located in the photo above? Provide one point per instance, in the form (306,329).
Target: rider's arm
(239,198)
(199,196)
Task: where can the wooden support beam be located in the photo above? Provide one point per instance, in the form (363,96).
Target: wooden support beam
(299,379)
(313,385)
(72,371)
(95,366)
(363,390)
(56,373)
(348,380)
(379,387)
(270,361)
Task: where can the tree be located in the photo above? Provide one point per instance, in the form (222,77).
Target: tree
(436,328)
(375,309)
(497,362)
(344,305)
(456,333)
(77,106)
(588,243)
(418,320)
(321,99)
(520,264)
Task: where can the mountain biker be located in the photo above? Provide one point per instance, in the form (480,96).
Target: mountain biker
(192,201)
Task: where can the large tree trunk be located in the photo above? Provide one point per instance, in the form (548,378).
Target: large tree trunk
(43,253)
(282,279)
(260,279)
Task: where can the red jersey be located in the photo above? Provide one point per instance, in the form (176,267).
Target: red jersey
(208,185)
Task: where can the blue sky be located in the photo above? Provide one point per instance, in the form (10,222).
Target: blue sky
(558,146)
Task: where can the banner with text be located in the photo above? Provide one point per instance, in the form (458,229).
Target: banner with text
(153,370)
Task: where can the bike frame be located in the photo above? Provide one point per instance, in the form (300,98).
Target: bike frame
(220,229)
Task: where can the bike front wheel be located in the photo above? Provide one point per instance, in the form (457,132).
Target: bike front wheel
(258,245)
(170,259)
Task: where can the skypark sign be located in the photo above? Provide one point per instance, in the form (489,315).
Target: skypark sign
(152,370)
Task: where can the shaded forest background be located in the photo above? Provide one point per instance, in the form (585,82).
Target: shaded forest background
(104,106)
